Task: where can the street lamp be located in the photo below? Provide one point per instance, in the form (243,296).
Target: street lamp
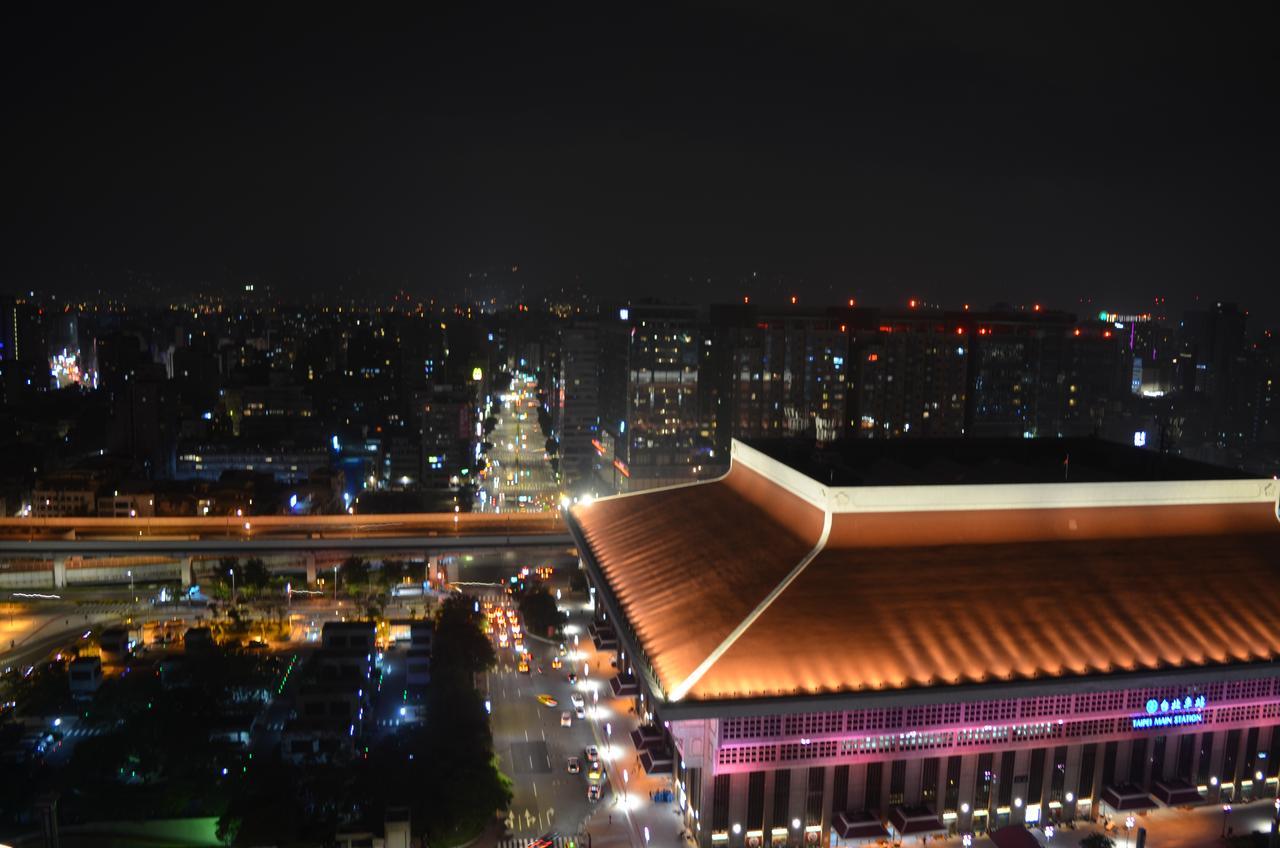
(232,572)
(1129,822)
(1226,812)
(625,778)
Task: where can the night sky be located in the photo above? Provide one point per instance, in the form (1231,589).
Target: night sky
(1050,152)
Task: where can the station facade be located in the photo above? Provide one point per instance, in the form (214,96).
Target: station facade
(824,663)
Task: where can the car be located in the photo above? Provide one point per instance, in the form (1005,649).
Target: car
(556,663)
(566,719)
(593,754)
(593,792)
(574,765)
(573,678)
(523,667)
(595,771)
(547,701)
(580,712)
(577,700)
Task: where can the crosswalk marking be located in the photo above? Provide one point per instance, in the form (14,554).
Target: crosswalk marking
(543,842)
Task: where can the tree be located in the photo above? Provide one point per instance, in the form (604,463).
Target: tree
(354,570)
(539,610)
(552,446)
(1097,840)
(228,827)
(461,648)
(254,573)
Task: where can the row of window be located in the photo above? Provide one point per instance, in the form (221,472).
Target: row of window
(1133,700)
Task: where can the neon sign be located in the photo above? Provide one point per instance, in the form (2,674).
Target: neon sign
(1167,720)
(1165,706)
(1171,713)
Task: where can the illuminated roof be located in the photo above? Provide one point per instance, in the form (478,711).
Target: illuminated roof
(767,583)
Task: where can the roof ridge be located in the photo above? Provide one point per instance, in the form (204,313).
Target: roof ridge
(703,667)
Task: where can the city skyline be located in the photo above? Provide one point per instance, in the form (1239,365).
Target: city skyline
(877,154)
(701,425)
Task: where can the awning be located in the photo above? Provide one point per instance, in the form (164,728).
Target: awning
(910,821)
(859,825)
(658,759)
(1125,797)
(1014,836)
(1177,793)
(648,736)
(624,687)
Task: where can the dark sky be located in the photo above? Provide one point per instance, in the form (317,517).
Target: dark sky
(1037,152)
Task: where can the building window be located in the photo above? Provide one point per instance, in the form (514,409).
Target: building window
(929,781)
(1035,780)
(1109,763)
(1058,777)
(840,790)
(781,797)
(1005,778)
(1157,758)
(982,791)
(755,800)
(1230,756)
(813,807)
(1251,755)
(951,800)
(720,804)
(897,782)
(1186,751)
(1206,758)
(1088,765)
(1138,762)
(875,776)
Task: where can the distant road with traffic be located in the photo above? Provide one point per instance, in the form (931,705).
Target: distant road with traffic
(265,533)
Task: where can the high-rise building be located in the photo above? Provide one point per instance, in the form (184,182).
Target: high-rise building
(769,373)
(1017,374)
(666,441)
(908,374)
(576,412)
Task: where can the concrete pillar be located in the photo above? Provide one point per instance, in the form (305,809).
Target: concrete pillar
(185,566)
(310,560)
(59,572)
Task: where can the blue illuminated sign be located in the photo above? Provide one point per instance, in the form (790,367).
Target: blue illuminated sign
(1172,720)
(1171,713)
(1165,706)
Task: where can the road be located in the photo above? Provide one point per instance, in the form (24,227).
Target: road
(40,536)
(534,747)
(519,466)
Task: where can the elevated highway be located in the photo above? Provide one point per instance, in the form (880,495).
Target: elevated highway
(92,548)
(27,537)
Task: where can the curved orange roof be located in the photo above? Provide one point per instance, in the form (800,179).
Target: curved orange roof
(687,564)
(924,599)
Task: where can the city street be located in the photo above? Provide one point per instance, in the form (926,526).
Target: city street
(534,747)
(520,476)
